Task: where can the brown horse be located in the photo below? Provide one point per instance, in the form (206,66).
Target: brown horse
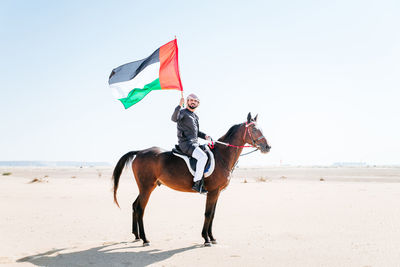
(155,166)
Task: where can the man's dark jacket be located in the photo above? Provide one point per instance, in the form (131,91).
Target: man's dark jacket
(188,129)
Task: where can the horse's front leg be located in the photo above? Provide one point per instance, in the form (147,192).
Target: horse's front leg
(212,198)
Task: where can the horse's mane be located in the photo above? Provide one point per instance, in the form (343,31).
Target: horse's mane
(230,133)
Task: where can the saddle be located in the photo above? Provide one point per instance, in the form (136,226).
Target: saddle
(191,162)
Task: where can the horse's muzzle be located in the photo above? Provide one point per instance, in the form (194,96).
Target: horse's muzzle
(265,149)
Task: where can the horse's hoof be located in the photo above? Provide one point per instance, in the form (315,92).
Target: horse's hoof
(214,242)
(146,244)
(207,244)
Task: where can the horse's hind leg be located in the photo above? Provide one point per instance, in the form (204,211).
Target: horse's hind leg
(135,219)
(143,198)
(212,198)
(210,235)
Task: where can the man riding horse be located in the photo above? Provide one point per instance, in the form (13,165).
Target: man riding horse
(155,166)
(188,133)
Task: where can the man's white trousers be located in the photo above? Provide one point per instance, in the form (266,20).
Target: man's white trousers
(201,157)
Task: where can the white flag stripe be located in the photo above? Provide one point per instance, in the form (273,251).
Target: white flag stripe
(147,75)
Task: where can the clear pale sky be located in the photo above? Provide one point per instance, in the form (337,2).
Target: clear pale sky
(322,75)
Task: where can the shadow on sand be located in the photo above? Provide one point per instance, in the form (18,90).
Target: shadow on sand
(106,255)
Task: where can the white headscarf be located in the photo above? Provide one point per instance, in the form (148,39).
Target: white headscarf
(193,96)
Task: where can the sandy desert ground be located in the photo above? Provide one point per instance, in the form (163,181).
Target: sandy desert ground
(278,217)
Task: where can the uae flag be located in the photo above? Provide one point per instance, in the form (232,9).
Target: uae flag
(131,82)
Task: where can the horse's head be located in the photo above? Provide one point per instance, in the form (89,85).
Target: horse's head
(254,136)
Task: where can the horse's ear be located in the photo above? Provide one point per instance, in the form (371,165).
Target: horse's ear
(249,117)
(255,118)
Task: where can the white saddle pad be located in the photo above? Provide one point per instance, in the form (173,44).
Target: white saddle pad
(207,172)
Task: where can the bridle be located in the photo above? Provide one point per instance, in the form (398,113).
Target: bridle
(251,137)
(254,144)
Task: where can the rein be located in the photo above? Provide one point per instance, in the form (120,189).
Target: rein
(248,152)
(225,144)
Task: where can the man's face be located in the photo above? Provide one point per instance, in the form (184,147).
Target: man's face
(192,103)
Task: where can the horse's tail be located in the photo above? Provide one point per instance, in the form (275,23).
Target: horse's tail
(123,161)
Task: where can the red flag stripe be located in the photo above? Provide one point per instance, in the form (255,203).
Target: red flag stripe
(169,69)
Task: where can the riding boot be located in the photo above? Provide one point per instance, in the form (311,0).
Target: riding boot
(198,186)
(202,188)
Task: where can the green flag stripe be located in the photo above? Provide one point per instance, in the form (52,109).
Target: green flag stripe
(138,94)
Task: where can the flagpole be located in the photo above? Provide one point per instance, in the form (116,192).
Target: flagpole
(181,83)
